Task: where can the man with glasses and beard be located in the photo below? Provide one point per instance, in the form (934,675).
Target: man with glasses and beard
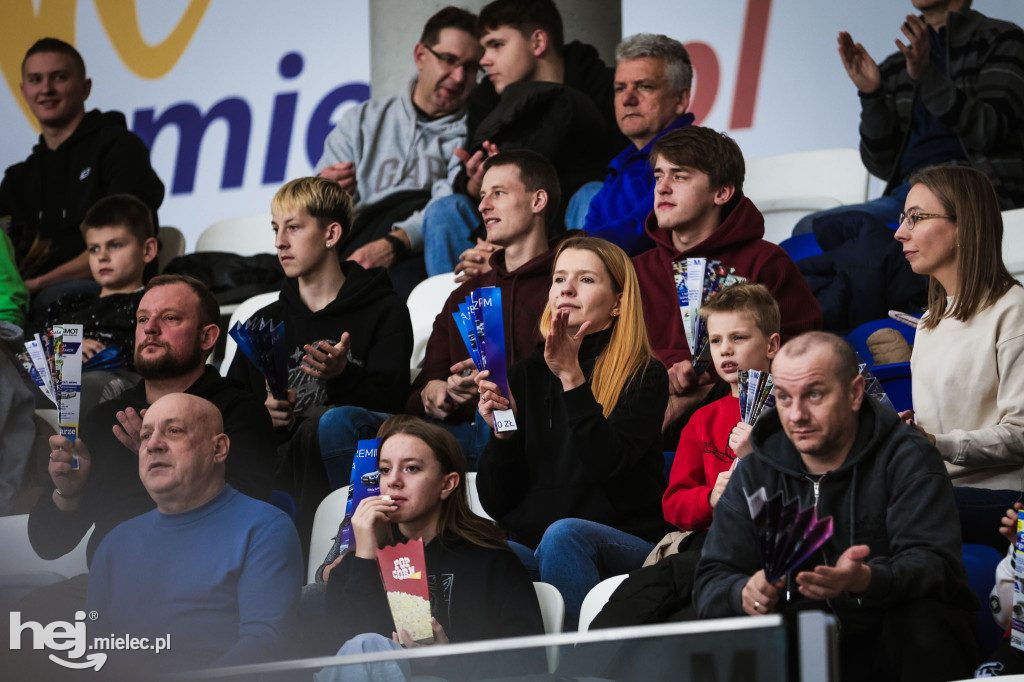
(177,328)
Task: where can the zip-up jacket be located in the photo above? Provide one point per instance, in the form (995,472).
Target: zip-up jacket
(892,493)
(980,99)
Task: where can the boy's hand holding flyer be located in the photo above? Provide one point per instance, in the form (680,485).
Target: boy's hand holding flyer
(755,394)
(482,326)
(404,570)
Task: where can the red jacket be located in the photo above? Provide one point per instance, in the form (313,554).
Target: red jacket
(524,293)
(738,243)
(703,453)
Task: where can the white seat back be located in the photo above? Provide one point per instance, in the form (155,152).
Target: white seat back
(794,185)
(244,235)
(596,599)
(1013,242)
(172,245)
(244,311)
(474,496)
(328,517)
(20,558)
(425,302)
(552,612)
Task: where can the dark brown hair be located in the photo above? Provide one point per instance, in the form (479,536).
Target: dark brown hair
(55,45)
(447,17)
(713,153)
(525,16)
(535,172)
(120,210)
(457,520)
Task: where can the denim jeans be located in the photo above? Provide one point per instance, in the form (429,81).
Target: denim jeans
(887,209)
(380,671)
(342,428)
(575,555)
(448,226)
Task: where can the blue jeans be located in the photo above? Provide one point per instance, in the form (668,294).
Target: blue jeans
(342,428)
(448,226)
(579,205)
(380,671)
(575,555)
(887,209)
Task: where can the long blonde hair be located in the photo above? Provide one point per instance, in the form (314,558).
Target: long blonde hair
(982,278)
(628,352)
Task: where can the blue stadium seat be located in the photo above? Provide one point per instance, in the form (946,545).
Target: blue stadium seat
(980,562)
(801,246)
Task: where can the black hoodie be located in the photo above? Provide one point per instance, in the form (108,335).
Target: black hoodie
(48,194)
(892,493)
(377,374)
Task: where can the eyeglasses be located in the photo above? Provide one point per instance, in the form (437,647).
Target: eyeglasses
(452,62)
(912,219)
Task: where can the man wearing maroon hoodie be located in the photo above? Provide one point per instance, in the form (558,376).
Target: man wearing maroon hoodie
(700,212)
(520,194)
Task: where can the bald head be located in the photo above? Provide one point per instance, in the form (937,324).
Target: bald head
(844,359)
(818,393)
(182,452)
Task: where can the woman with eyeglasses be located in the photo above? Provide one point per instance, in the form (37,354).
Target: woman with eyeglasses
(967,364)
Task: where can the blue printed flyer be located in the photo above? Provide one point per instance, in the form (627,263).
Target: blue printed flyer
(482,325)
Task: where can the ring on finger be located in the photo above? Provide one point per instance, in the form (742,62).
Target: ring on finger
(757,606)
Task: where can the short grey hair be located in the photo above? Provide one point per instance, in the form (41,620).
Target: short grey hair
(678,68)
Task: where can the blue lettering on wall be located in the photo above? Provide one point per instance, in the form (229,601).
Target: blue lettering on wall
(237,115)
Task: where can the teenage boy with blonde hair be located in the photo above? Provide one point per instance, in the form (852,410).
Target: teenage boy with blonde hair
(347,332)
(743,331)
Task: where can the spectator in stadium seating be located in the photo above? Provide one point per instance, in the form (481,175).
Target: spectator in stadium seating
(967,366)
(215,570)
(81,157)
(397,155)
(478,589)
(347,334)
(953,93)
(118,231)
(891,570)
(539,94)
(700,212)
(578,485)
(652,93)
(519,190)
(177,328)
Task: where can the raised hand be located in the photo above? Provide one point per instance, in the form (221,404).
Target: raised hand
(739,439)
(368,518)
(324,361)
(850,574)
(491,399)
(562,350)
(474,260)
(860,67)
(91,347)
(918,52)
(130,425)
(70,482)
(342,173)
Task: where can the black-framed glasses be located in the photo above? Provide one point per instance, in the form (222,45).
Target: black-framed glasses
(452,62)
(912,219)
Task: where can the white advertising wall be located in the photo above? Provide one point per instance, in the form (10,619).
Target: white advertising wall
(236,96)
(233,96)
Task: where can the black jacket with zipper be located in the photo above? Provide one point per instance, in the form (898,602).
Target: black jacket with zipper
(892,493)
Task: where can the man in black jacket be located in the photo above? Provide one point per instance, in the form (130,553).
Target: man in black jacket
(891,571)
(176,330)
(80,158)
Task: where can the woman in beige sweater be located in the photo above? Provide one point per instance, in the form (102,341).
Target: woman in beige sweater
(967,365)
